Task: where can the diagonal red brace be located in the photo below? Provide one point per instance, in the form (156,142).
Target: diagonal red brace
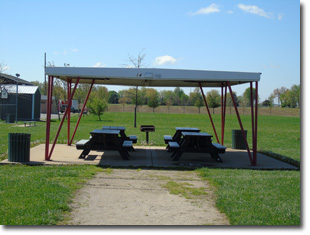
(63,118)
(78,122)
(204,98)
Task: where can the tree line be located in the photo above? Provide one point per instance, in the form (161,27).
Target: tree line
(100,97)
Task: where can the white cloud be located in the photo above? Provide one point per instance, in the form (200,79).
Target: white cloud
(166,59)
(229,12)
(280,16)
(213,8)
(255,10)
(4,68)
(75,50)
(99,64)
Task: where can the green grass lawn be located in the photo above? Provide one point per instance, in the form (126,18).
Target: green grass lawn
(251,197)
(39,195)
(247,197)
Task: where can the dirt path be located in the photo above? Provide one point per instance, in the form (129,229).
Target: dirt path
(143,197)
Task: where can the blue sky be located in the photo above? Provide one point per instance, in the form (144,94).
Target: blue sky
(250,36)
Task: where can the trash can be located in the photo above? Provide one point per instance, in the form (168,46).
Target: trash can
(238,141)
(10,118)
(19,147)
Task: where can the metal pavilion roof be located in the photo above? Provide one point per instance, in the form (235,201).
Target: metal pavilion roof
(153,77)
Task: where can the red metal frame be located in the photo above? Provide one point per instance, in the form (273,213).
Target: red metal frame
(78,122)
(69,83)
(48,115)
(223,113)
(223,110)
(204,98)
(49,154)
(240,123)
(255,128)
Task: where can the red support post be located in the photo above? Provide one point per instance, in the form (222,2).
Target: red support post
(48,115)
(62,121)
(69,82)
(240,123)
(222,115)
(256,116)
(223,112)
(252,117)
(78,122)
(204,98)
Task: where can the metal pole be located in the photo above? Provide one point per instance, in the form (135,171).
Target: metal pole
(62,121)
(223,112)
(78,122)
(256,116)
(240,123)
(44,72)
(48,115)
(16,111)
(204,98)
(69,82)
(252,117)
(135,121)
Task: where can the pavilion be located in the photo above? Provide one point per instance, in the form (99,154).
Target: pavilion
(154,77)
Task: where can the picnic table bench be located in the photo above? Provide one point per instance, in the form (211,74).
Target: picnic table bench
(105,140)
(29,123)
(196,142)
(177,135)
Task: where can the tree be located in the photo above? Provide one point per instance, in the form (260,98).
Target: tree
(291,98)
(97,106)
(177,96)
(113,97)
(213,99)
(199,103)
(278,92)
(230,102)
(152,98)
(195,98)
(270,105)
(247,96)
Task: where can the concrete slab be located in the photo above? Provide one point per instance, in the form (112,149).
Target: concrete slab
(150,156)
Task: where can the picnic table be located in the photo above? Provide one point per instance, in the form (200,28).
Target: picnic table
(178,134)
(106,139)
(196,142)
(122,129)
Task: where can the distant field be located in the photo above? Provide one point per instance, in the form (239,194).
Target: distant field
(275,111)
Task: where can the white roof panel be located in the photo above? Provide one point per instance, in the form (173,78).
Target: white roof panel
(21,89)
(152,76)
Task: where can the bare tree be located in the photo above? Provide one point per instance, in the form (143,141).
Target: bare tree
(136,62)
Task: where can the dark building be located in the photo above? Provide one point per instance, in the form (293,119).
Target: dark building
(28,102)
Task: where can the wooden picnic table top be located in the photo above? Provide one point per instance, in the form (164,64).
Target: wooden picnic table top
(105,132)
(121,128)
(198,134)
(187,129)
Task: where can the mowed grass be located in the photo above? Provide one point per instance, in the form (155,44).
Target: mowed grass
(251,197)
(40,195)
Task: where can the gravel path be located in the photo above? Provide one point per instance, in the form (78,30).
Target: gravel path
(140,197)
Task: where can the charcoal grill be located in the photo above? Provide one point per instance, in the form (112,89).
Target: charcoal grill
(147,129)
